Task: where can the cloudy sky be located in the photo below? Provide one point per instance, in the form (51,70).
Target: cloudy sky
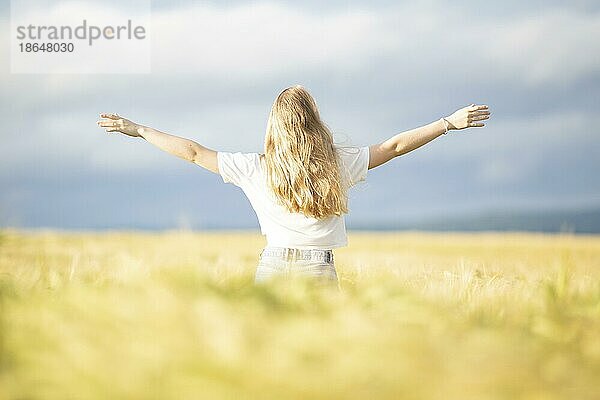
(375,69)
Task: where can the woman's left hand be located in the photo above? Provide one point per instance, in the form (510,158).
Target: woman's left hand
(116,123)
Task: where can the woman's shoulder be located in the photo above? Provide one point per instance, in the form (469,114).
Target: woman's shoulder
(349,152)
(355,162)
(237,166)
(248,158)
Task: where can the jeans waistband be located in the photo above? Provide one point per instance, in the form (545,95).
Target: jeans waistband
(289,253)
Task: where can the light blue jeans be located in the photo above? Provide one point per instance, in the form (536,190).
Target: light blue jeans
(285,262)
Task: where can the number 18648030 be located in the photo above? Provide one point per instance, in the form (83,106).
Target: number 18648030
(46,47)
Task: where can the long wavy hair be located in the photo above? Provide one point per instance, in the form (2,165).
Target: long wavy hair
(302,166)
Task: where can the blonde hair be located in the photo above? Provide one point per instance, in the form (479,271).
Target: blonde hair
(302,166)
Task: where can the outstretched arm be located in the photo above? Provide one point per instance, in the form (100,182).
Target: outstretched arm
(408,141)
(175,145)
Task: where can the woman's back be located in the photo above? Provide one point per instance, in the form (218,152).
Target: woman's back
(282,227)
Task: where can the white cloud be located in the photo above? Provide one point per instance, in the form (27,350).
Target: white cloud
(264,42)
(504,169)
(518,148)
(265,39)
(261,39)
(556,46)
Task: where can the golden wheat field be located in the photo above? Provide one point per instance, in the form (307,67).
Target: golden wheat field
(175,315)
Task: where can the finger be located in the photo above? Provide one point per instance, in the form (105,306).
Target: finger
(480,113)
(476,118)
(111,130)
(106,124)
(476,124)
(474,107)
(110,116)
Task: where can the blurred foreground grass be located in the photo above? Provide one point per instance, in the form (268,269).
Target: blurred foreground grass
(175,315)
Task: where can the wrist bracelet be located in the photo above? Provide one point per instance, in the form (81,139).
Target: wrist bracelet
(445,125)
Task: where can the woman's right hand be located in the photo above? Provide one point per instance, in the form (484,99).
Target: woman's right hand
(468,117)
(116,123)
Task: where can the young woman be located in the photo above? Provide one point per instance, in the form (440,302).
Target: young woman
(298,186)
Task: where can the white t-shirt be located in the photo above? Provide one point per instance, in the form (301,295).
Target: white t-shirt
(282,227)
